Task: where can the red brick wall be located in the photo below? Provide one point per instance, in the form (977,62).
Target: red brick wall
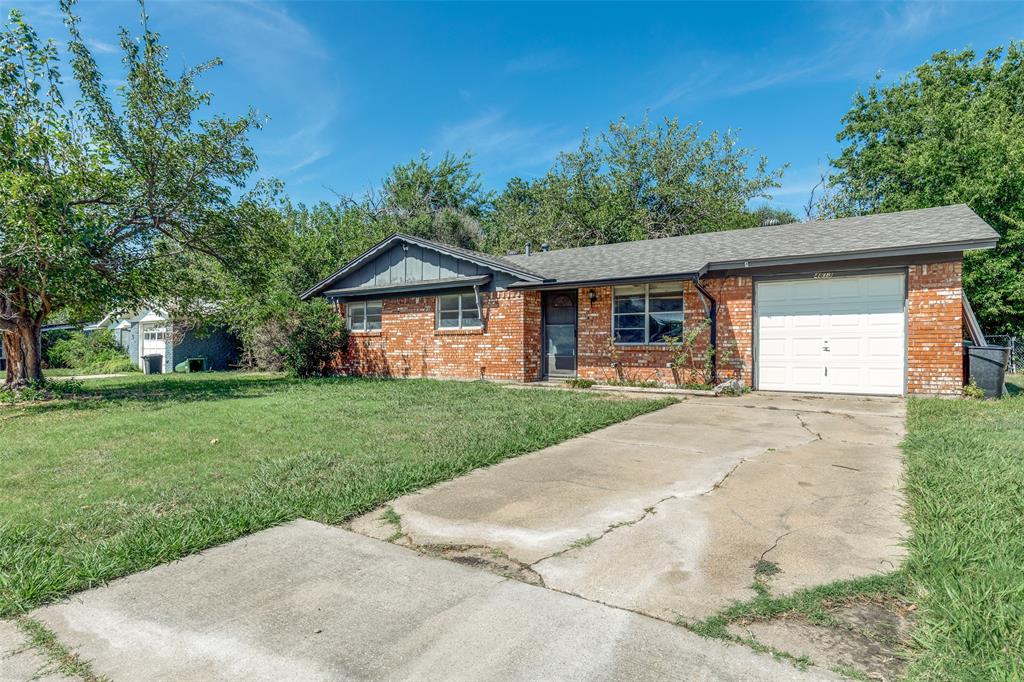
(409,345)
(934,328)
(603,360)
(509,345)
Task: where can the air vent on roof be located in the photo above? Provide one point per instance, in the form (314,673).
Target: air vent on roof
(769,222)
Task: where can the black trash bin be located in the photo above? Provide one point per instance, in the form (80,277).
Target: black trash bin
(153,364)
(986,365)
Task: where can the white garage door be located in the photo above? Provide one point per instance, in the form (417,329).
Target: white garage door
(837,335)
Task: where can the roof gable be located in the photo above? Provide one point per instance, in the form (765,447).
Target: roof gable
(403,258)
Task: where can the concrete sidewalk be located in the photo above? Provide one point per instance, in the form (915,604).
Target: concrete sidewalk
(310,602)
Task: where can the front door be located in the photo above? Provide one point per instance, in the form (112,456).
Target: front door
(560,333)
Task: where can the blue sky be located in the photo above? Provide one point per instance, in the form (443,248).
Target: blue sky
(351,88)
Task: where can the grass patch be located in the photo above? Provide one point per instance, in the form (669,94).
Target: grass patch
(811,603)
(850,673)
(63,659)
(393,517)
(965,484)
(139,470)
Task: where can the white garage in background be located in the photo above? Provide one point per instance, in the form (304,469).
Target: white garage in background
(832,334)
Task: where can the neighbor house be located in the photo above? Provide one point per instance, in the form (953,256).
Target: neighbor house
(157,345)
(865,305)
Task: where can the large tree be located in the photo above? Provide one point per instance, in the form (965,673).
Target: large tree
(952,131)
(632,182)
(104,204)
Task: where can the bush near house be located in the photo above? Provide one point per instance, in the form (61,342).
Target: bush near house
(96,353)
(316,334)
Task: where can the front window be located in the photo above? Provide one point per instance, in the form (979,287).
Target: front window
(647,313)
(458,311)
(363,316)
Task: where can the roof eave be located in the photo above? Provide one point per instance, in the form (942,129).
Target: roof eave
(607,281)
(918,250)
(403,287)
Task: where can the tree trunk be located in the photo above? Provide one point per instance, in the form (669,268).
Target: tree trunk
(23,349)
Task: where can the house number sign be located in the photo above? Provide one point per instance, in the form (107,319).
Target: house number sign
(823,275)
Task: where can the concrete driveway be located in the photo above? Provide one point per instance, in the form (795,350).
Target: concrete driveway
(669,514)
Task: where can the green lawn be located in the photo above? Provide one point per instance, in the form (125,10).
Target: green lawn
(141,470)
(965,484)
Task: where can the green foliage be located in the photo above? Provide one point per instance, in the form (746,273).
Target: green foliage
(578,382)
(107,205)
(633,182)
(950,132)
(316,335)
(687,355)
(444,202)
(972,390)
(300,245)
(696,359)
(94,353)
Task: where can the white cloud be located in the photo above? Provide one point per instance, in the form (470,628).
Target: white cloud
(102,47)
(533,62)
(858,41)
(506,146)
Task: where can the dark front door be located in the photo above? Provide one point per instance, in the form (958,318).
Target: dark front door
(559,333)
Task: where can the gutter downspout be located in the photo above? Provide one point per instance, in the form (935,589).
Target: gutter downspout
(714,326)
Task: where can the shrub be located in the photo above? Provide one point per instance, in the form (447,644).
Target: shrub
(261,345)
(95,353)
(973,391)
(316,334)
(696,359)
(580,383)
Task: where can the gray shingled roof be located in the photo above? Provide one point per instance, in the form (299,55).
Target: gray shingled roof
(929,230)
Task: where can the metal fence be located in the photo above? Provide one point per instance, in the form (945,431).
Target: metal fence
(1016,346)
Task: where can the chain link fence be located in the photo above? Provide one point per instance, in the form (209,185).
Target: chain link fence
(1016,346)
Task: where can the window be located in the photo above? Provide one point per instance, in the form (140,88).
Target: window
(647,313)
(363,316)
(154,334)
(458,311)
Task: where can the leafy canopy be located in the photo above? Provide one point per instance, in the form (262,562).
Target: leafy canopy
(952,131)
(633,182)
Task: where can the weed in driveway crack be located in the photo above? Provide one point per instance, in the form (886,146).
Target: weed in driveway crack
(392,517)
(44,640)
(587,541)
(805,427)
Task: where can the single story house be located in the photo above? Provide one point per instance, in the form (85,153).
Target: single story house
(156,345)
(863,305)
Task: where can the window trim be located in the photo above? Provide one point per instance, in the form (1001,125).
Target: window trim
(479,313)
(363,304)
(646,315)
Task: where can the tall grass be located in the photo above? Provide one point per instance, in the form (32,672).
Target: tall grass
(965,485)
